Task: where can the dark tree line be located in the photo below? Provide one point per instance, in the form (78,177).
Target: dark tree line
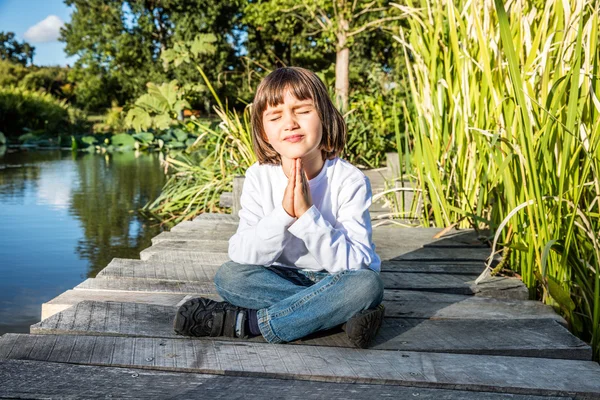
(118,43)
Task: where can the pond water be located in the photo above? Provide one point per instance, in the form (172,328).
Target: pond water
(63,218)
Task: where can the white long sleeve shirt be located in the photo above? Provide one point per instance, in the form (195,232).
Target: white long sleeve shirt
(333,235)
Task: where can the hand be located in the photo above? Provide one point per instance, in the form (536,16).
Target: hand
(288,195)
(302,197)
(297,198)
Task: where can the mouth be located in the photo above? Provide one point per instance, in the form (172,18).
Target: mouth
(293,138)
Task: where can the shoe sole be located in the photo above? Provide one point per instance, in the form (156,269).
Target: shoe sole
(364,326)
(185,322)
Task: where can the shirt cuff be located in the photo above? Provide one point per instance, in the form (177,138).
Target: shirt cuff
(274,224)
(306,220)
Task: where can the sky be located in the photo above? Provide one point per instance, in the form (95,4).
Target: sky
(38,23)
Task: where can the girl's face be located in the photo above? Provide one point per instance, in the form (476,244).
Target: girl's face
(294,129)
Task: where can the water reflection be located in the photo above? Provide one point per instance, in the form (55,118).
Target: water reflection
(63,218)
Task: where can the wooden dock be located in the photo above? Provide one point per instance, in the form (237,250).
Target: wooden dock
(443,336)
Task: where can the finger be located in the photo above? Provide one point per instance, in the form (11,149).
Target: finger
(299,171)
(292,175)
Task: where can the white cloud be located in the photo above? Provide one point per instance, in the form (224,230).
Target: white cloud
(47,30)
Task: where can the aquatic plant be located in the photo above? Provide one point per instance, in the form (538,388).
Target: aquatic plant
(199,177)
(505,133)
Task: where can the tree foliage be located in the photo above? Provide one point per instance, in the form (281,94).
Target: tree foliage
(329,26)
(12,50)
(119,56)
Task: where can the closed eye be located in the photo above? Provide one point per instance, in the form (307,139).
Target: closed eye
(302,112)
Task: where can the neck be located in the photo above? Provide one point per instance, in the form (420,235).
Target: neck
(312,165)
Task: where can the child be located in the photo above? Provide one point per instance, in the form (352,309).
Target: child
(302,259)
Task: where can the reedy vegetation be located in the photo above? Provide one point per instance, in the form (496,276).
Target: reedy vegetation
(506,133)
(207,168)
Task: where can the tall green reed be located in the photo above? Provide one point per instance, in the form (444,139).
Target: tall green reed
(199,178)
(506,134)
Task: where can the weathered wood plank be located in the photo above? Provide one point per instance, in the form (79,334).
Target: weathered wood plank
(71,297)
(419,237)
(226,200)
(189,250)
(378,177)
(410,238)
(179,271)
(224,218)
(237,186)
(406,236)
(203,226)
(196,236)
(399,304)
(396,251)
(433,267)
(408,280)
(498,287)
(420,304)
(190,271)
(466,236)
(524,337)
(501,374)
(147,285)
(536,338)
(177,252)
(183,247)
(37,380)
(501,287)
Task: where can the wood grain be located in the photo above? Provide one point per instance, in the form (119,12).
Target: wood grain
(500,374)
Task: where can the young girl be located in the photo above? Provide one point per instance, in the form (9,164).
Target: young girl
(302,259)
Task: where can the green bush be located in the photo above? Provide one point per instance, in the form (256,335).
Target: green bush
(372,121)
(53,80)
(11,74)
(23,110)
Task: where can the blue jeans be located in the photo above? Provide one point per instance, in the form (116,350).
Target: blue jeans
(292,303)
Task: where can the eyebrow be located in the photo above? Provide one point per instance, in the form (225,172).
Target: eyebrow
(306,103)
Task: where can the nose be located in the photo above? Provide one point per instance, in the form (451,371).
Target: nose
(289,121)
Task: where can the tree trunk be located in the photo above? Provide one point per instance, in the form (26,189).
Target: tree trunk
(342,67)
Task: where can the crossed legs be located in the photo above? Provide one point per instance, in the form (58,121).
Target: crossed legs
(292,303)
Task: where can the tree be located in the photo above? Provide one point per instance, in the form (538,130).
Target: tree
(334,24)
(122,53)
(276,39)
(12,50)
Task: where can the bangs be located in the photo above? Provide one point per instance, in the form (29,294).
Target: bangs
(274,90)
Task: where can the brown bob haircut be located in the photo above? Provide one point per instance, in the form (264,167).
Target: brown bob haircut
(303,85)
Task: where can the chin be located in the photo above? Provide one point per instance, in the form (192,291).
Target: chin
(293,154)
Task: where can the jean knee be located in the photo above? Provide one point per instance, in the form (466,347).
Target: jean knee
(368,288)
(227,275)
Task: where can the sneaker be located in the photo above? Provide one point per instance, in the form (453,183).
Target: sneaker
(363,326)
(206,317)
